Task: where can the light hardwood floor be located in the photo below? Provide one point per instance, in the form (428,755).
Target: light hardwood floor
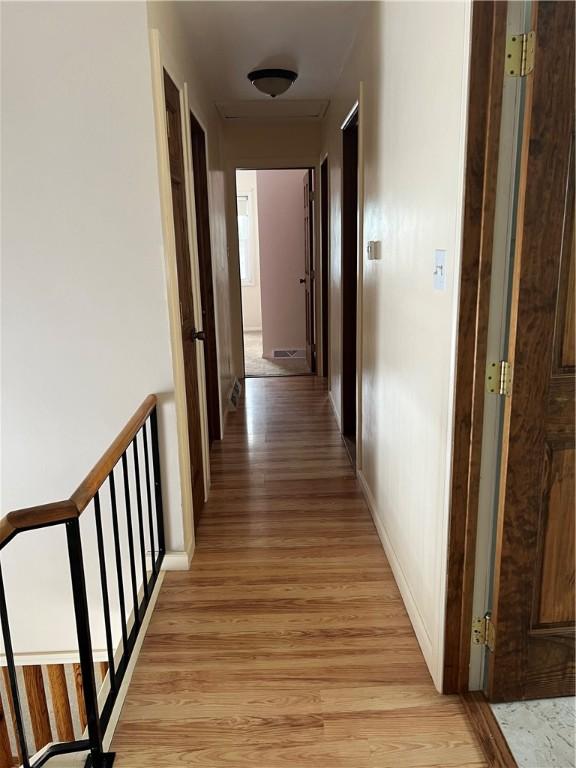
(287,645)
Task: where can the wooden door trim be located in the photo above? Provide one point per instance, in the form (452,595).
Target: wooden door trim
(488,732)
(160,63)
(484,114)
(352,120)
(199,174)
(324,186)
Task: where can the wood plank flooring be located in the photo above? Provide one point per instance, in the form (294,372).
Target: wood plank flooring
(287,644)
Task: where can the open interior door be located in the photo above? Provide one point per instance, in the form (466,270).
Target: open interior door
(533,598)
(309,274)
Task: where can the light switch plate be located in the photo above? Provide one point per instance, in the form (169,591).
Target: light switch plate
(439,273)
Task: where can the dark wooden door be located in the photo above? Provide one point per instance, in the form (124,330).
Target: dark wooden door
(533,606)
(325,263)
(349,275)
(200,174)
(184,269)
(309,268)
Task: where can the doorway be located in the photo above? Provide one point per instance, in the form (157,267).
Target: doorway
(512,557)
(190,336)
(277,278)
(201,201)
(349,279)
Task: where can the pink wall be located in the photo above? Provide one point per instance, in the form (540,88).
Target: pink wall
(281,238)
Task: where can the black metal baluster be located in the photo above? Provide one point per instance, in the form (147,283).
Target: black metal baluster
(157,480)
(140,522)
(149,499)
(104,585)
(130,538)
(99,759)
(118,555)
(12,675)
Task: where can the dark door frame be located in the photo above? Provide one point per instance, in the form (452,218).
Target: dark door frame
(202,206)
(313,242)
(189,334)
(484,115)
(325,263)
(349,267)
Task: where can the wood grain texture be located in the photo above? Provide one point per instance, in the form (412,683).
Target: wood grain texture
(37,705)
(185,287)
(8,689)
(6,758)
(202,205)
(35,517)
(494,744)
(60,702)
(85,492)
(287,644)
(79,686)
(484,116)
(533,606)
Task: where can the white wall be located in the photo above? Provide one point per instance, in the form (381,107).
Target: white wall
(84,312)
(412,127)
(246,184)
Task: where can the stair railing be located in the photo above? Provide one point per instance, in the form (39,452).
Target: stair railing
(139,434)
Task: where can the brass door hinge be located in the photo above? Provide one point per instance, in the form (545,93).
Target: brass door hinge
(484,631)
(499,378)
(520,50)
(311,196)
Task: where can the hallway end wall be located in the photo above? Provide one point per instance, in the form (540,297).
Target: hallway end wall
(412,134)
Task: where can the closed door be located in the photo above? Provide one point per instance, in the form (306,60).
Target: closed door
(349,277)
(309,274)
(189,339)
(533,598)
(200,174)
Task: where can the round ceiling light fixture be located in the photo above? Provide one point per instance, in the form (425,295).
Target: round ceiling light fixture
(272,81)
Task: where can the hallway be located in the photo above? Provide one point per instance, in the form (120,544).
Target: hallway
(287,643)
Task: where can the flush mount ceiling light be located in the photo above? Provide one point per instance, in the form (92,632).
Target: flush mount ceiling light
(272,81)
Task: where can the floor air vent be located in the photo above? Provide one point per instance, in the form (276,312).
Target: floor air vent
(287,353)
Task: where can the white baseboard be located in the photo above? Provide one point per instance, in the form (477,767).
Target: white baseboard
(336,414)
(178,560)
(115,715)
(409,602)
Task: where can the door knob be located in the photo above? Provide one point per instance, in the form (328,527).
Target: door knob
(302,280)
(198,335)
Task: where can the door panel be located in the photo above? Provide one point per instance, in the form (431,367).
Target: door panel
(534,569)
(200,174)
(184,270)
(349,275)
(309,270)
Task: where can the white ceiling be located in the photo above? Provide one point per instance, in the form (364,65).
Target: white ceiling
(229,39)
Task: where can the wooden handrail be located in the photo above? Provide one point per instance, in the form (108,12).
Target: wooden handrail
(35,517)
(68,509)
(86,491)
